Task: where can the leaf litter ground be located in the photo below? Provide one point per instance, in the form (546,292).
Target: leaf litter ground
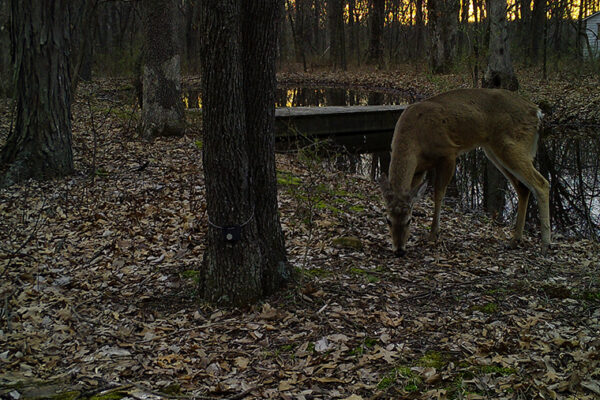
(99,272)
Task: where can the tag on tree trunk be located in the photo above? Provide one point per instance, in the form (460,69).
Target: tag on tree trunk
(232,234)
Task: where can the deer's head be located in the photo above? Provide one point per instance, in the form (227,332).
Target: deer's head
(398,210)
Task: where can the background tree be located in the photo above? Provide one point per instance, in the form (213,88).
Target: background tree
(376,22)
(443,29)
(39,146)
(6,77)
(337,43)
(499,74)
(162,111)
(238,83)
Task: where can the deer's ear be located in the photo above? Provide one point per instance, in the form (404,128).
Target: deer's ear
(386,188)
(418,191)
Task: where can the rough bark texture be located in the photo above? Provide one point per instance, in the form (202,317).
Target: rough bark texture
(537,28)
(376,20)
(6,77)
(39,146)
(162,113)
(499,74)
(337,43)
(238,83)
(443,29)
(261,18)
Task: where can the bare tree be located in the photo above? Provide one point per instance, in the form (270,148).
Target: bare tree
(162,111)
(443,32)
(337,46)
(499,74)
(376,21)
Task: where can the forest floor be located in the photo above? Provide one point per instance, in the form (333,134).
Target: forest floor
(98,281)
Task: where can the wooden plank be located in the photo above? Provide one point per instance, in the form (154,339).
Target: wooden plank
(359,129)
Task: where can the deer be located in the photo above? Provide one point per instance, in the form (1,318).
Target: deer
(431,134)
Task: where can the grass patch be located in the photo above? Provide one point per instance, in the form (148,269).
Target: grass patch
(192,275)
(591,295)
(400,376)
(488,308)
(288,179)
(315,272)
(433,359)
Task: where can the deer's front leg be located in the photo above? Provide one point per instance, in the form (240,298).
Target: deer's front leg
(443,174)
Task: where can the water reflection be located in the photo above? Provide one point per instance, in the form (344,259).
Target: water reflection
(571,165)
(317,97)
(322,97)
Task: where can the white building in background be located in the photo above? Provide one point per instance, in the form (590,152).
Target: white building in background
(592,31)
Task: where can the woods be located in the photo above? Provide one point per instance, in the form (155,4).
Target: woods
(165,233)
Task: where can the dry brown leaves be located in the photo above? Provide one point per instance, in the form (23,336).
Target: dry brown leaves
(97,289)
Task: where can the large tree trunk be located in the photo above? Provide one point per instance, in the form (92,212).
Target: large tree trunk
(443,32)
(376,21)
(245,255)
(40,144)
(337,45)
(162,112)
(260,26)
(499,74)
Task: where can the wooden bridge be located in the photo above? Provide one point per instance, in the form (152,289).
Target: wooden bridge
(359,129)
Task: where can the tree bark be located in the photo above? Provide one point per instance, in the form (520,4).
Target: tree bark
(537,28)
(377,20)
(238,86)
(6,76)
(443,29)
(260,26)
(40,144)
(162,112)
(499,74)
(337,45)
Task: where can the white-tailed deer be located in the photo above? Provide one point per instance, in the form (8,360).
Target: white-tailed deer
(430,135)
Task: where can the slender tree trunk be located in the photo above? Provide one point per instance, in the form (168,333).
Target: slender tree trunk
(337,45)
(162,111)
(245,254)
(376,20)
(83,43)
(419,27)
(6,75)
(40,144)
(537,28)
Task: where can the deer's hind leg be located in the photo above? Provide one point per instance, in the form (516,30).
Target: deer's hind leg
(520,166)
(522,193)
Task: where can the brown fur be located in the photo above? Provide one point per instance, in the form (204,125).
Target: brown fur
(430,135)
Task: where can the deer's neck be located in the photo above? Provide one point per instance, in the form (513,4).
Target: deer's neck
(402,171)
